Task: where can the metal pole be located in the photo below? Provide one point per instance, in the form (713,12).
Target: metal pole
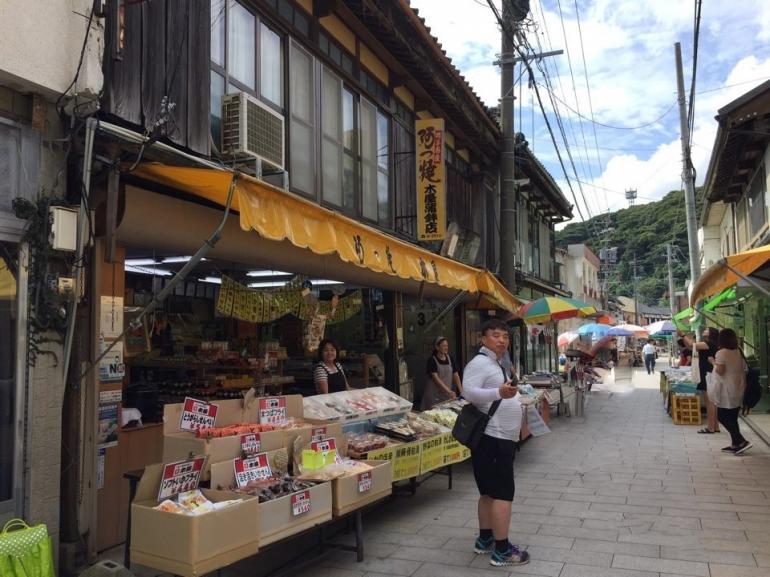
(507,156)
(636,299)
(670,282)
(687,173)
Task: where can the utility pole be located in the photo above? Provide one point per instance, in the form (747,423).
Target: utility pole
(514,11)
(670,282)
(687,171)
(670,295)
(636,298)
(507,156)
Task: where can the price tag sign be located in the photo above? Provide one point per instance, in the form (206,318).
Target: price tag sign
(272,410)
(180,477)
(431,454)
(365,482)
(300,503)
(325,446)
(251,443)
(197,415)
(318,434)
(252,469)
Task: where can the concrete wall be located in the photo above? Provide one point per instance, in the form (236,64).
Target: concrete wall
(712,245)
(40,44)
(45,394)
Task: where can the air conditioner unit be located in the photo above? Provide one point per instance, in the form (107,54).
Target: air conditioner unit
(251,128)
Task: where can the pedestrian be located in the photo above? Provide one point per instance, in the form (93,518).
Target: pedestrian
(485,381)
(685,354)
(649,356)
(443,377)
(705,349)
(731,383)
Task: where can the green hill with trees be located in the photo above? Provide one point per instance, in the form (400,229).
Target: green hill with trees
(642,230)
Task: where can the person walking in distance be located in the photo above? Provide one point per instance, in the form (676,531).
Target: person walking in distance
(484,382)
(730,368)
(648,351)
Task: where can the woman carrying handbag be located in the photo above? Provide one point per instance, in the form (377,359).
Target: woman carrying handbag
(703,351)
(730,369)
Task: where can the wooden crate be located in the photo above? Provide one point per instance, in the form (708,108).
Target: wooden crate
(685,409)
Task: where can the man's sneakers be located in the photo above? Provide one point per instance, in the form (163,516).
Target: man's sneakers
(728,449)
(742,448)
(512,556)
(483,546)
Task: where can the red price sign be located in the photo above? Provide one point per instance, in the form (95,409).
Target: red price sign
(251,443)
(197,415)
(324,446)
(318,434)
(253,469)
(365,482)
(300,503)
(272,410)
(180,477)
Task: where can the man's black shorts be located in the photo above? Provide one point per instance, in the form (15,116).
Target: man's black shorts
(493,467)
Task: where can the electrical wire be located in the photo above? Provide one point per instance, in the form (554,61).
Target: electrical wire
(696,37)
(80,61)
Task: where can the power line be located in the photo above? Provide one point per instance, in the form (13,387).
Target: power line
(661,117)
(696,37)
(588,90)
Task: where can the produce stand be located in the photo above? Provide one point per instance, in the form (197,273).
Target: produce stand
(322,439)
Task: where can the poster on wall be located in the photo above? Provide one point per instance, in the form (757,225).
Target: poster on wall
(111,367)
(100,470)
(107,434)
(315,332)
(431,185)
(111,317)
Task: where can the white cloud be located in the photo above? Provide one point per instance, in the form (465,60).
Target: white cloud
(629,52)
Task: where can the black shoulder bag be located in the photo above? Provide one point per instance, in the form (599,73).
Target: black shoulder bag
(471,422)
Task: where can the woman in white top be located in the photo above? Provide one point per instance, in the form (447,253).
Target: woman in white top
(731,373)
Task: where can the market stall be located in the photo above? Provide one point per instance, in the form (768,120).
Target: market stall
(277,467)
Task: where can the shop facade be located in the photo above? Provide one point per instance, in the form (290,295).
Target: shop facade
(330,229)
(734,221)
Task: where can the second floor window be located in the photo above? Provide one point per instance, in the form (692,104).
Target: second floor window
(246,56)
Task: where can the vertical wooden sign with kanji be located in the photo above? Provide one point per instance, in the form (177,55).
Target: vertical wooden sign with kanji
(431,181)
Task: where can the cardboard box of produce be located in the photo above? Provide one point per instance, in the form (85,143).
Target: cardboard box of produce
(356,491)
(179,444)
(191,545)
(280,517)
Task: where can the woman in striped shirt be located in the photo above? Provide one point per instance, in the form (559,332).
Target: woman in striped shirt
(328,374)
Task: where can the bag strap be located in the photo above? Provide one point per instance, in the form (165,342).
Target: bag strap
(14,523)
(496,404)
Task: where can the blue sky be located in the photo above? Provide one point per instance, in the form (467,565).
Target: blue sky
(629,61)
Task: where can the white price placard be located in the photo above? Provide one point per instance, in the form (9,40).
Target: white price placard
(300,503)
(253,469)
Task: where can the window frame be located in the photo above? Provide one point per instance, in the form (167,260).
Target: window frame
(223,71)
(759,179)
(13,506)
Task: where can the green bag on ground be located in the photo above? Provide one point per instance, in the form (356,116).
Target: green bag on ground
(25,551)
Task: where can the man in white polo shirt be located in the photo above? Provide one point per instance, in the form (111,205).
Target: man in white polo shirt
(484,382)
(648,351)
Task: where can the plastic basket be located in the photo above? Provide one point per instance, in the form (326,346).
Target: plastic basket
(685,409)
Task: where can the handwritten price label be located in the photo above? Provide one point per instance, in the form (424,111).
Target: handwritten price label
(253,469)
(180,477)
(272,410)
(365,482)
(197,415)
(251,443)
(300,503)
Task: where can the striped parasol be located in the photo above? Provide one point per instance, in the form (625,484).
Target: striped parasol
(549,309)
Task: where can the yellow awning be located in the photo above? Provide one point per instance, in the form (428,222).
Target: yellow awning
(719,276)
(277,215)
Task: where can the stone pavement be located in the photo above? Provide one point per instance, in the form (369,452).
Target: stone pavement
(621,492)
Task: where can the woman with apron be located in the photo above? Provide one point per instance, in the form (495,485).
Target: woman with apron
(442,375)
(328,374)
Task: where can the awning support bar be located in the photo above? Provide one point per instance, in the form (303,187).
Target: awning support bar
(208,244)
(752,282)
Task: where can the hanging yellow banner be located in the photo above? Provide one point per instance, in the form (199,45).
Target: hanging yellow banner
(431,180)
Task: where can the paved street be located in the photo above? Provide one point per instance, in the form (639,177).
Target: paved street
(622,492)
